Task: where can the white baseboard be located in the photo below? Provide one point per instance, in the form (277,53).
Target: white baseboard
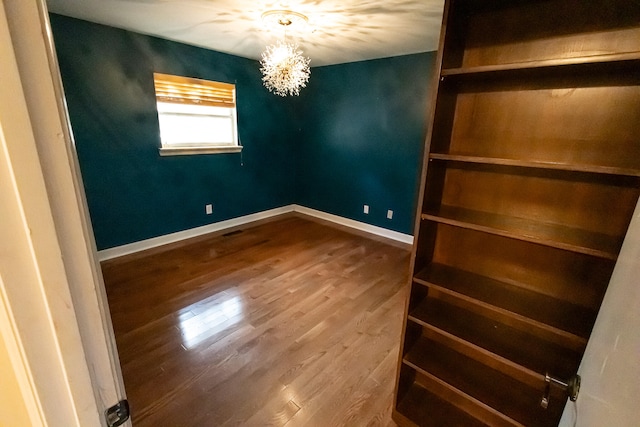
(362,226)
(142,245)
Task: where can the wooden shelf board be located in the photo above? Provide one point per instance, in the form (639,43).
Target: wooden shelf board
(533,355)
(538,164)
(567,320)
(460,399)
(553,235)
(476,352)
(424,408)
(546,64)
(491,388)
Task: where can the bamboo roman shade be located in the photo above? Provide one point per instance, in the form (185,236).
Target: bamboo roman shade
(186,90)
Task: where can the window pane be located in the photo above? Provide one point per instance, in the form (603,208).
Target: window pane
(208,110)
(195,129)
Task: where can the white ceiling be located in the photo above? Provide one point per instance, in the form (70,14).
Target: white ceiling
(339,30)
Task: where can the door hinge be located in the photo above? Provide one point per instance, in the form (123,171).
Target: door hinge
(117,414)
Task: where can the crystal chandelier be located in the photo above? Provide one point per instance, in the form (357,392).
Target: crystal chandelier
(285,71)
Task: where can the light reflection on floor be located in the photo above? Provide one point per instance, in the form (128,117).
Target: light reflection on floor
(197,323)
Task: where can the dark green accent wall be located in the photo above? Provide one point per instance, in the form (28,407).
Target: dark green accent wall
(362,139)
(354,136)
(133,193)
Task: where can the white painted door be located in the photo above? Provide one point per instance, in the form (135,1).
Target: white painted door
(51,280)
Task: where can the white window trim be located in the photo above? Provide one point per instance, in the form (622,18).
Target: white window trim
(199,149)
(200,89)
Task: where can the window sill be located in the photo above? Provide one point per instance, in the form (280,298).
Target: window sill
(188,151)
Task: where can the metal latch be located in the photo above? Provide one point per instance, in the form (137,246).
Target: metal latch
(572,387)
(117,414)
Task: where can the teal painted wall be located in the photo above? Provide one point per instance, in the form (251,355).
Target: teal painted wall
(133,193)
(354,136)
(363,130)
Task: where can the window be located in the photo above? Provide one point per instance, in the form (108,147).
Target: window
(196,116)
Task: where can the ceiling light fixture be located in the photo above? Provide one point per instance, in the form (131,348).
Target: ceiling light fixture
(284,18)
(285,71)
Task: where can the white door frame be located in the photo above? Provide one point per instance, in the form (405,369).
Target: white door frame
(52,287)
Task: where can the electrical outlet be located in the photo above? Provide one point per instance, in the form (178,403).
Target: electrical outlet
(366,209)
(389,214)
(208,209)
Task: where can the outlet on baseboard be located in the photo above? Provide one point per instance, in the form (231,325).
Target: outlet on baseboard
(366,209)
(208,209)
(389,214)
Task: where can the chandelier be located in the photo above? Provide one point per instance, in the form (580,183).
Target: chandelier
(285,71)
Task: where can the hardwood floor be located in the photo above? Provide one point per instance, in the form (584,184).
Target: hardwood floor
(287,323)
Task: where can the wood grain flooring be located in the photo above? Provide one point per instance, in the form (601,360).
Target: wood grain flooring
(289,323)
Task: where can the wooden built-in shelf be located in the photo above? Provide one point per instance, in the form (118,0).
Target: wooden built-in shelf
(554,235)
(526,352)
(563,318)
(555,64)
(531,174)
(484,386)
(597,169)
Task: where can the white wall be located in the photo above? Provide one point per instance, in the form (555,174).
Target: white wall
(610,369)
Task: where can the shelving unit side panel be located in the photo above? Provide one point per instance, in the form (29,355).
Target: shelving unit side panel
(424,246)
